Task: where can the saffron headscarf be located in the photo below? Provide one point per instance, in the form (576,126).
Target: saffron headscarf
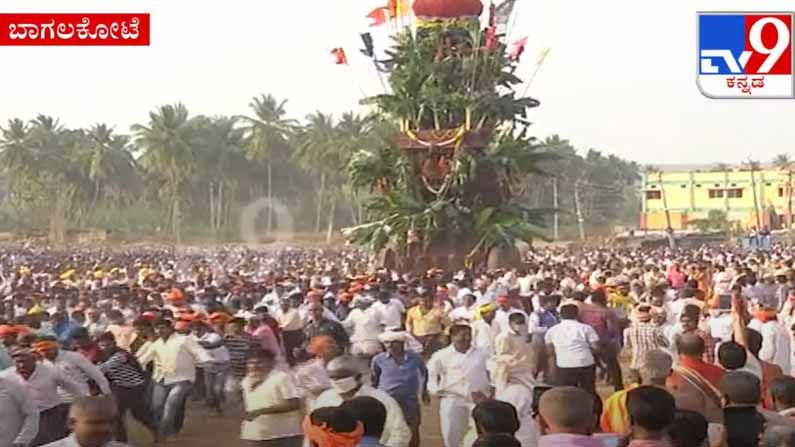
(320,345)
(323,436)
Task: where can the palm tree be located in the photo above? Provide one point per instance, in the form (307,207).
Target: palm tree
(317,144)
(220,155)
(100,169)
(268,134)
(168,154)
(783,162)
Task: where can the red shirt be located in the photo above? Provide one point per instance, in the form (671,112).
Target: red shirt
(769,372)
(710,372)
(91,352)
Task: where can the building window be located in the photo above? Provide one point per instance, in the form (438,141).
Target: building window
(683,186)
(734,193)
(715,193)
(781,192)
(653,195)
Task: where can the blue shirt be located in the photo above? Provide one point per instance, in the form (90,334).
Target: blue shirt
(398,380)
(369,441)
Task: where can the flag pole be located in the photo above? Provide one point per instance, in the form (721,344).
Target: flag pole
(535,72)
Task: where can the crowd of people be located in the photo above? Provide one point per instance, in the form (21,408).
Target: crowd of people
(325,348)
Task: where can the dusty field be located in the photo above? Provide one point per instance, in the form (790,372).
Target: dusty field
(204,428)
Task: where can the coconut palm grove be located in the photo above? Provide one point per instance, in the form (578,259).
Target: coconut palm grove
(444,156)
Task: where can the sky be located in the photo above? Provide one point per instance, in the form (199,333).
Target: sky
(619,78)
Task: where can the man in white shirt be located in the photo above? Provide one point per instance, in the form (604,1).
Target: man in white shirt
(91,422)
(391,310)
(466,311)
(346,383)
(775,339)
(19,415)
(571,345)
(175,357)
(43,381)
(484,330)
(292,325)
(457,374)
(272,403)
(75,366)
(363,325)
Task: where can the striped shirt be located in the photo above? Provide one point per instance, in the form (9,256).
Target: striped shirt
(123,370)
(239,347)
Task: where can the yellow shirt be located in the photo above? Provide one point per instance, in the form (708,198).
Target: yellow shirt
(421,322)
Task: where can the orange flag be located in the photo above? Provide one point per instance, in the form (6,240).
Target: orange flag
(379,16)
(339,56)
(398,8)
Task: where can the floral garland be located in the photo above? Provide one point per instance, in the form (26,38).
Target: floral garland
(459,134)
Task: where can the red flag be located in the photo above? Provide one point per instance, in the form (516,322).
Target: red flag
(339,56)
(491,30)
(491,37)
(379,16)
(517,49)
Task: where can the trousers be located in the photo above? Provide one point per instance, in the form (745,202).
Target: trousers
(168,403)
(454,415)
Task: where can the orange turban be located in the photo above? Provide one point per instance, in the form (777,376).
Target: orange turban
(324,437)
(765,315)
(175,295)
(320,345)
(7,330)
(220,317)
(43,347)
(21,329)
(189,316)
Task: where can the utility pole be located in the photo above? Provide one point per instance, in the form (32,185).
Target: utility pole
(669,227)
(577,210)
(752,167)
(556,234)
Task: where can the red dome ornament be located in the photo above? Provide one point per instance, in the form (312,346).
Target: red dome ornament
(447,9)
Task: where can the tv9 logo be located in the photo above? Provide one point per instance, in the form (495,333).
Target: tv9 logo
(746,55)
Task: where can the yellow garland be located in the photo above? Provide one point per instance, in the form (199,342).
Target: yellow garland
(455,138)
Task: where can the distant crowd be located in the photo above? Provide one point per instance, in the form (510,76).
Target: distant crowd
(311,347)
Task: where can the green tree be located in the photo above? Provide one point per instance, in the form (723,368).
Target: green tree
(269,133)
(168,156)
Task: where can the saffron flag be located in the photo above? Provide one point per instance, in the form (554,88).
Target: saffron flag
(339,56)
(517,49)
(502,13)
(398,8)
(379,16)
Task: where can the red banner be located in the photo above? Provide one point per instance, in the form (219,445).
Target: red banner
(74,29)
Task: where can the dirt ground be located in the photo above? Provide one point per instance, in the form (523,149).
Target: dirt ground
(204,428)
